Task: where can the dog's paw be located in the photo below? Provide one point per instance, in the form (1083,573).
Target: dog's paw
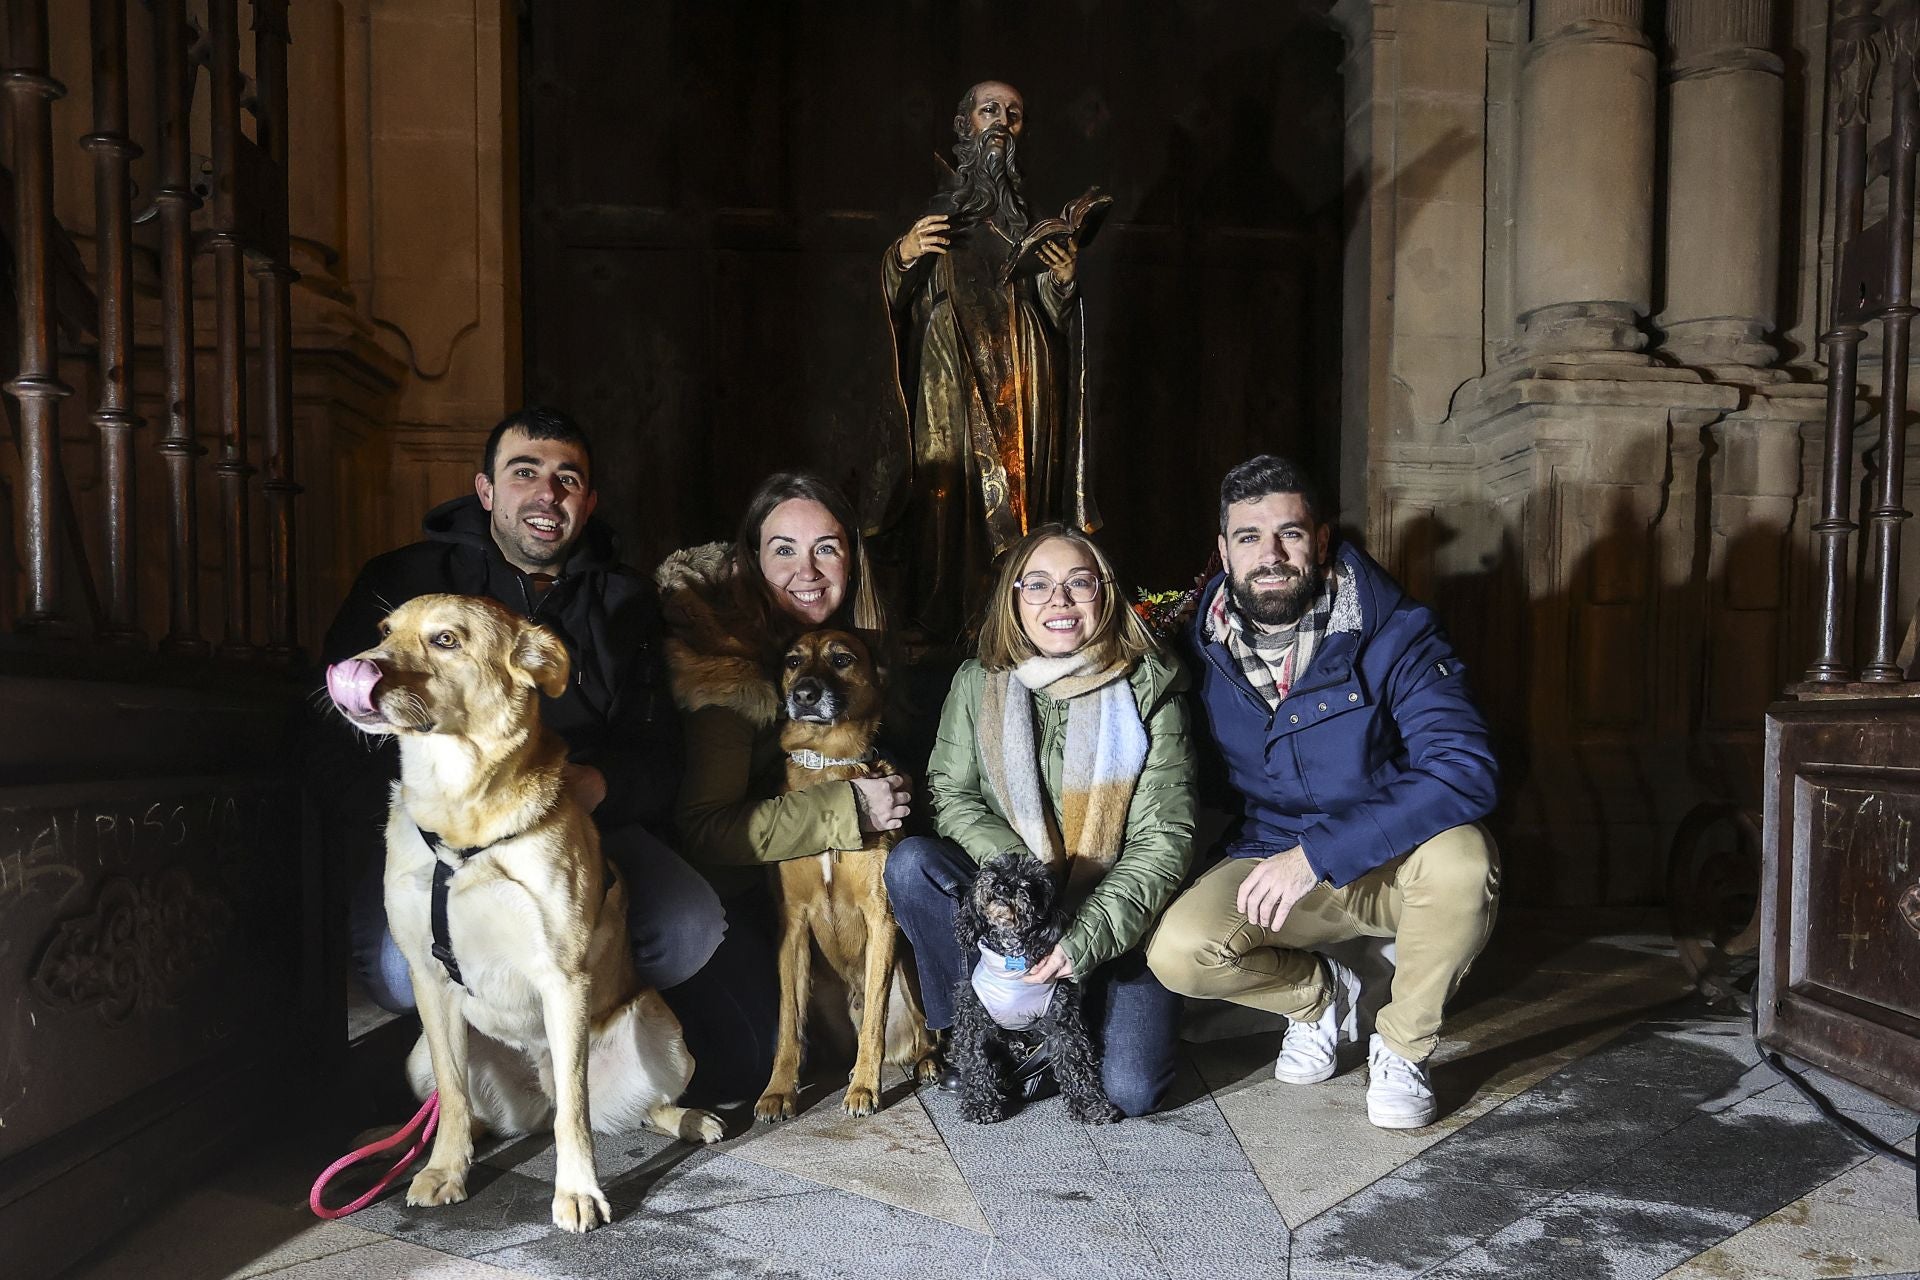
(774,1106)
(701,1126)
(433,1186)
(985,1110)
(861,1101)
(579,1211)
(1094,1111)
(927,1070)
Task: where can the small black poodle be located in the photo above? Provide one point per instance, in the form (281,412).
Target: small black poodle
(1012,919)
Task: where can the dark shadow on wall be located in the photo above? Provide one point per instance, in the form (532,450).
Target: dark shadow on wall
(1622,700)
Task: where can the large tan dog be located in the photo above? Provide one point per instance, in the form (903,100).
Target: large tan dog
(536,917)
(839,899)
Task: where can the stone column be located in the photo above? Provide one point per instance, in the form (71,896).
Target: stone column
(1584,244)
(1725,99)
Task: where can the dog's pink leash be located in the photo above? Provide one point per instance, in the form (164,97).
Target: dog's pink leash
(428,1115)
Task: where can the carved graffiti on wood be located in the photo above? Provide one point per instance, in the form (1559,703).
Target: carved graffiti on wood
(138,947)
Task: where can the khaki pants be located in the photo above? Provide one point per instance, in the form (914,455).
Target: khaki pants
(1437,903)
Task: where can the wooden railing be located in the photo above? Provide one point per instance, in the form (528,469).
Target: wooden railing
(245,232)
(1872,275)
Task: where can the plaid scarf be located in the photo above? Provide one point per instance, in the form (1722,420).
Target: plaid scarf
(1272,668)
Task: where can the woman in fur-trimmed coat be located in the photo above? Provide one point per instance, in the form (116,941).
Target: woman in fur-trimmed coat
(1066,738)
(730,612)
(729,617)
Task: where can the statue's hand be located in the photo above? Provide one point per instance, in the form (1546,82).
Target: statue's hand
(1060,256)
(929,235)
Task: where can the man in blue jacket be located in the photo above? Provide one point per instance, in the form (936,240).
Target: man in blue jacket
(1363,769)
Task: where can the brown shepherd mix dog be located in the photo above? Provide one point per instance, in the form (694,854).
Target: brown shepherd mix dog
(839,899)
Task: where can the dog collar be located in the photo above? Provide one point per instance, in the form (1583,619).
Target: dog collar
(814,760)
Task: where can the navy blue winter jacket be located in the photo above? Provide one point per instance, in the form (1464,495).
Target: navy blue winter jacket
(1377,748)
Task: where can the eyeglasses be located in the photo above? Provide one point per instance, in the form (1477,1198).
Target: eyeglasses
(1082,588)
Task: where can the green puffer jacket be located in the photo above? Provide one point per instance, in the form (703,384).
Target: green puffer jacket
(1151,865)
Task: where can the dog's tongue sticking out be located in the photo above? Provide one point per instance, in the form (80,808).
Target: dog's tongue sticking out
(350,685)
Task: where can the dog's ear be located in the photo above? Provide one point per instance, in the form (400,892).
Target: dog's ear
(967,926)
(540,659)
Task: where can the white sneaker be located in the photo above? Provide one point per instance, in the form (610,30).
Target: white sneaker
(1398,1094)
(1310,1051)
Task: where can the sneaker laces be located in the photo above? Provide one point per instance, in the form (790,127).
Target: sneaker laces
(1392,1071)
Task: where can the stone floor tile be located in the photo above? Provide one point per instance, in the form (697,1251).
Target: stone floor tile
(1748,1161)
(1896,1127)
(1405,1224)
(218,1233)
(1878,1184)
(395,1260)
(320,1240)
(1594,1238)
(1821,1236)
(614,1154)
(501,1208)
(1078,1223)
(1312,1145)
(1559,1134)
(1204,1224)
(1842,1093)
(1039,1138)
(1191,1133)
(731,1217)
(895,1155)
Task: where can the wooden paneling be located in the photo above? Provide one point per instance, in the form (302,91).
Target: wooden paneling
(1840,968)
(708,187)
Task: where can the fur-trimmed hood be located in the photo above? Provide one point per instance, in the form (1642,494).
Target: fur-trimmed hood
(716,642)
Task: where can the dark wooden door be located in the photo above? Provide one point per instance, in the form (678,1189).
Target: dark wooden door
(708,188)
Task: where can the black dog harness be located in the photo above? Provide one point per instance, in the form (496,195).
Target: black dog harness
(443,872)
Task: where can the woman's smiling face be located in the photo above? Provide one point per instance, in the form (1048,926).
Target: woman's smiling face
(803,557)
(1058,596)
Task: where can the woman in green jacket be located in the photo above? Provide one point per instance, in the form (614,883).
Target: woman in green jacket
(1067,738)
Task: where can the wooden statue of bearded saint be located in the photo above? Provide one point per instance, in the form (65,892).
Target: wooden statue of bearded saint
(988,374)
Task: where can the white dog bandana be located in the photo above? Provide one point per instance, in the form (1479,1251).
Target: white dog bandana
(1013,1004)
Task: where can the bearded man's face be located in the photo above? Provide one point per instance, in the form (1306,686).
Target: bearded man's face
(1275,555)
(986,178)
(994,105)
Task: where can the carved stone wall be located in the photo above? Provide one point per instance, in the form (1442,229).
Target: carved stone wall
(1611,506)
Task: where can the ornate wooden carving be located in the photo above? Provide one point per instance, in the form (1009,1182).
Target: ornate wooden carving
(1840,969)
(141,943)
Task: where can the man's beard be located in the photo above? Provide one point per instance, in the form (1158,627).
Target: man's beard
(987,183)
(1280,606)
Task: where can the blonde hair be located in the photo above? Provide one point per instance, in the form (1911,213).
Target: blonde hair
(1118,634)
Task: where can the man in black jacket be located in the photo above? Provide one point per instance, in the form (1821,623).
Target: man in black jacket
(526,538)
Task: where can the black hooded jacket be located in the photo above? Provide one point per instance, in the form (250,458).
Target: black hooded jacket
(616,714)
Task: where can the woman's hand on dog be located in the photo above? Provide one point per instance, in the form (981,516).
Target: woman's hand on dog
(883,802)
(1057,967)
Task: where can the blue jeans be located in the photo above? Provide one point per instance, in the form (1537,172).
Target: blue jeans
(712,962)
(1133,1018)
